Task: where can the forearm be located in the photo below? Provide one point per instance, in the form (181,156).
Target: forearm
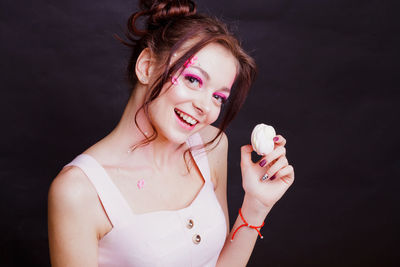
(238,252)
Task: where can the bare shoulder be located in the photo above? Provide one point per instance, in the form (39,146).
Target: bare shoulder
(71,195)
(220,145)
(74,219)
(217,153)
(71,188)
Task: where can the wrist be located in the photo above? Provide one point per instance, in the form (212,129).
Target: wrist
(254,211)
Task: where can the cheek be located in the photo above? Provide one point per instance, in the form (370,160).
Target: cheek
(178,92)
(154,111)
(213,116)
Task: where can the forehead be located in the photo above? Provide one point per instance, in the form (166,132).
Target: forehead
(218,62)
(216,53)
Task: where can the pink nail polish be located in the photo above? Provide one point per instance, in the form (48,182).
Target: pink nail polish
(263,162)
(276,138)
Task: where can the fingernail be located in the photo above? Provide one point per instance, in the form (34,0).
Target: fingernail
(276,138)
(263,162)
(272,177)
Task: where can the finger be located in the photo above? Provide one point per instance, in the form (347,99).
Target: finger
(286,175)
(279,140)
(276,153)
(281,163)
(246,155)
(263,162)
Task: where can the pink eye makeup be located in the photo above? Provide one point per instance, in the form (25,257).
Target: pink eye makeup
(222,98)
(193,79)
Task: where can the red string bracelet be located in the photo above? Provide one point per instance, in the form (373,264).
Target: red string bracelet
(248,225)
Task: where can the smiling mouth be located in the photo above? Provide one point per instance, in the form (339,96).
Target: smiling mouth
(185,118)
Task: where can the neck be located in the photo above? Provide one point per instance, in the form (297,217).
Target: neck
(159,153)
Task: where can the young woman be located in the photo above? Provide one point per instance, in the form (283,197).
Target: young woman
(153,191)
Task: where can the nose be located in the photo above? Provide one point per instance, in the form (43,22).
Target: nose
(202,105)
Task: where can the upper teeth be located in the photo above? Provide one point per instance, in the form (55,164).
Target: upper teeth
(186,118)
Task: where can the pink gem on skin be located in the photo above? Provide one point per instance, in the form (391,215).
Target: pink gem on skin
(140,183)
(190,62)
(174,80)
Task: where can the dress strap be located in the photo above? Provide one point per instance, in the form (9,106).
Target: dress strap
(200,155)
(116,207)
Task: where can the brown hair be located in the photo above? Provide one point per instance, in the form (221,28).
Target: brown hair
(169,24)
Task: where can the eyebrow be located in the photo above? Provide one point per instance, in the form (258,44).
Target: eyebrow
(205,74)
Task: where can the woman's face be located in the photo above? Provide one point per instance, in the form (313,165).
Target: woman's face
(195,97)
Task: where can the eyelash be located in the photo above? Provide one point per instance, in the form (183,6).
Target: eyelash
(220,98)
(193,78)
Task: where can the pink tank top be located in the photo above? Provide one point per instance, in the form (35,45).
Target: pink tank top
(191,236)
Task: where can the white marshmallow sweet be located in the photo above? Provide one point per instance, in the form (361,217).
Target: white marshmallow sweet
(262,139)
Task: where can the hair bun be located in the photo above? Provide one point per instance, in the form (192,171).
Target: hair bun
(159,11)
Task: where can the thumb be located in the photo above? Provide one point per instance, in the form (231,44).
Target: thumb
(246,155)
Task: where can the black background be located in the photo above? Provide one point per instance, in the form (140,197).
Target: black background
(327,82)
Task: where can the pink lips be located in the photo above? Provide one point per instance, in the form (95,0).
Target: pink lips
(183,124)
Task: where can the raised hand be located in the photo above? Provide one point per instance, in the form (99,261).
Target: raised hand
(274,165)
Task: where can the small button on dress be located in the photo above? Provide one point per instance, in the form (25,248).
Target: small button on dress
(196,239)
(190,224)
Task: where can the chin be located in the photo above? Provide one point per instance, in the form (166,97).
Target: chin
(172,136)
(179,137)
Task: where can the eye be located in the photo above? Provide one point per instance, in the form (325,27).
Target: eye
(194,80)
(220,98)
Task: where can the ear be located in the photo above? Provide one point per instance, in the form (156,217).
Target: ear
(144,66)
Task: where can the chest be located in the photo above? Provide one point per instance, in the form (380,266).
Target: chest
(189,230)
(146,190)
